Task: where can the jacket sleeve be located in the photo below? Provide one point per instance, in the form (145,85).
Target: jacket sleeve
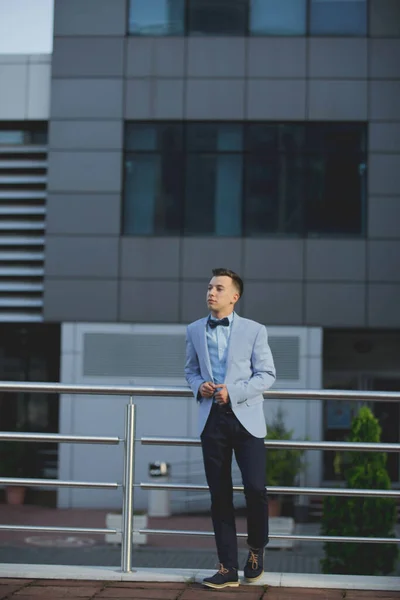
(263,375)
(192,367)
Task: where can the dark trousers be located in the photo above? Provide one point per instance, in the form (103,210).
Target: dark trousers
(222,435)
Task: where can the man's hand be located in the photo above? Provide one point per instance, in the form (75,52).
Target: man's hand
(207,389)
(221,396)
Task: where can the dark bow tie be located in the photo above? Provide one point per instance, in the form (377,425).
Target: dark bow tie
(213,324)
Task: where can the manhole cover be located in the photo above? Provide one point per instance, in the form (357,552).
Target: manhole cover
(59,542)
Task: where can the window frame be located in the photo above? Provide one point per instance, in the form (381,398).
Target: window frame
(247,32)
(307,151)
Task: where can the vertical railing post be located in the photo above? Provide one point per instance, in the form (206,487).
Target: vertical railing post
(127,505)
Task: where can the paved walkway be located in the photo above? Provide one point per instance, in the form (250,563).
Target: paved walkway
(27,589)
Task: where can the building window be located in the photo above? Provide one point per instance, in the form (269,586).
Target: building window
(338,17)
(336,173)
(217,17)
(278,17)
(245,179)
(214,179)
(153,179)
(157,17)
(248,17)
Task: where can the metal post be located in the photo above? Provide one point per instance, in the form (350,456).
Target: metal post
(127,506)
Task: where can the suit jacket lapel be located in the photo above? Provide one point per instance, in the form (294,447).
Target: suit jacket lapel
(204,346)
(234,340)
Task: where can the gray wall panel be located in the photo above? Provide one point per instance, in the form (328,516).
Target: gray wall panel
(80,214)
(90,17)
(80,300)
(193,301)
(383,305)
(384,137)
(149,98)
(336,260)
(223,99)
(200,256)
(384,59)
(85,171)
(384,102)
(384,174)
(273,259)
(14,91)
(340,58)
(169,99)
(277,303)
(86,98)
(76,256)
(139,98)
(383,260)
(335,304)
(149,301)
(86,135)
(155,57)
(149,258)
(88,57)
(276,99)
(338,100)
(384,217)
(282,57)
(216,57)
(384,18)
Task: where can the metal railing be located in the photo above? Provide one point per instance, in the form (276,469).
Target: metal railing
(129,441)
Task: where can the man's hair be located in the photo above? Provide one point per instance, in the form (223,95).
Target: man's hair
(237,281)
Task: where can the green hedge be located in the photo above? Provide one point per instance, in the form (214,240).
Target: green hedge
(361,517)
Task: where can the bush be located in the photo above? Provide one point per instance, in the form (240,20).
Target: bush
(363,517)
(283,464)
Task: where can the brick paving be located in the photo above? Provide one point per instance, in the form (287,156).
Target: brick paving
(28,589)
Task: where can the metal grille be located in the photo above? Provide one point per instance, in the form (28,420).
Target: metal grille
(133,355)
(286,353)
(23,178)
(163,355)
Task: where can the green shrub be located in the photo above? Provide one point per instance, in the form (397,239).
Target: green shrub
(361,517)
(283,464)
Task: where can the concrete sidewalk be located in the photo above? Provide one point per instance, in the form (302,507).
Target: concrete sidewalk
(96,590)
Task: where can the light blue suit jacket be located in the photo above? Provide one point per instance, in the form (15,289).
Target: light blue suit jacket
(250,371)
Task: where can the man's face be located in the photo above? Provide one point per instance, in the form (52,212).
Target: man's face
(221,296)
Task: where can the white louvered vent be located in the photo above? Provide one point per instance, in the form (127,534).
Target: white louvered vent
(135,355)
(286,352)
(23,178)
(163,355)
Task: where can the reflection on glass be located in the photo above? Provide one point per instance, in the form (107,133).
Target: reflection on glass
(253,179)
(217,17)
(278,17)
(156,17)
(338,17)
(214,137)
(274,195)
(336,191)
(12,137)
(213,194)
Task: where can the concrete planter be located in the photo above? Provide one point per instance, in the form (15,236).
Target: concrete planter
(114,521)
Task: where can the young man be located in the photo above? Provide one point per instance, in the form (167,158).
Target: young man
(228,367)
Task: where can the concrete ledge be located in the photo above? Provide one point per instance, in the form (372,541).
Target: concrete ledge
(344,582)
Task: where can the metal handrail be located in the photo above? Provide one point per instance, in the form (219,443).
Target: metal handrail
(304,538)
(9,436)
(284,490)
(59,483)
(129,459)
(185,392)
(296,444)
